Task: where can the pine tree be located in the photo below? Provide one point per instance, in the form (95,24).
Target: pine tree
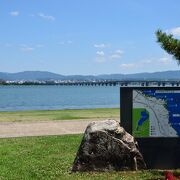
(169,44)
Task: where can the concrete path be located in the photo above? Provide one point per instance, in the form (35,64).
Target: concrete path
(43,128)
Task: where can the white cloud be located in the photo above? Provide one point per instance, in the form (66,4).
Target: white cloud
(14,13)
(151,64)
(102,45)
(119,51)
(100,53)
(48,17)
(128,65)
(117,54)
(175,31)
(100,57)
(164,60)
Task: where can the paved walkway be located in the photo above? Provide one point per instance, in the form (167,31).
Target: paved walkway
(43,128)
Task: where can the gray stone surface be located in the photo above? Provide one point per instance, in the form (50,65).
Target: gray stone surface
(105,147)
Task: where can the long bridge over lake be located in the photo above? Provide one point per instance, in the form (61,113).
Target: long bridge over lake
(97,83)
(122,83)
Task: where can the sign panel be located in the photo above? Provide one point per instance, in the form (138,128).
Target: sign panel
(152,116)
(156,113)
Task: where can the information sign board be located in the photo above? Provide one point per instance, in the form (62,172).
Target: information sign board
(152,116)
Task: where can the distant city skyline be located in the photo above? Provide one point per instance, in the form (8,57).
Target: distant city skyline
(86,37)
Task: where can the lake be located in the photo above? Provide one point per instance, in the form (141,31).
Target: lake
(14,98)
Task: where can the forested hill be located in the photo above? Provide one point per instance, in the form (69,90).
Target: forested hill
(44,75)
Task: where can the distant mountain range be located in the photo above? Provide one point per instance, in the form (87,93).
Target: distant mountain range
(45,76)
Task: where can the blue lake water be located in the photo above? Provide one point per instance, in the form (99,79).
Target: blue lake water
(14,98)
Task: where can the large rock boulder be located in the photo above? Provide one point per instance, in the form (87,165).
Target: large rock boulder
(106,146)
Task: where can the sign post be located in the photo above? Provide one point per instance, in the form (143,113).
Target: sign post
(152,116)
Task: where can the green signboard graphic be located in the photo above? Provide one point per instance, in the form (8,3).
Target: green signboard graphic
(140,122)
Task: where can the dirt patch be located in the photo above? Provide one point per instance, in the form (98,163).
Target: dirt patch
(43,128)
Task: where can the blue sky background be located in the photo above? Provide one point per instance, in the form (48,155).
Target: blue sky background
(86,36)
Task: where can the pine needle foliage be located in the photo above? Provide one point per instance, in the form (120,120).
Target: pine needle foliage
(169,44)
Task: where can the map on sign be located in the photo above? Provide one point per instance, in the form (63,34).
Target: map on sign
(156,113)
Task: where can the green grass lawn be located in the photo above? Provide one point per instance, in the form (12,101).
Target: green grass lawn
(51,158)
(102,113)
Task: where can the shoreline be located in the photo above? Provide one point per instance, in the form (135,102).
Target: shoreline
(52,115)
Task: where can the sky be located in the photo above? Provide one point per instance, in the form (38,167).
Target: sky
(87,37)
